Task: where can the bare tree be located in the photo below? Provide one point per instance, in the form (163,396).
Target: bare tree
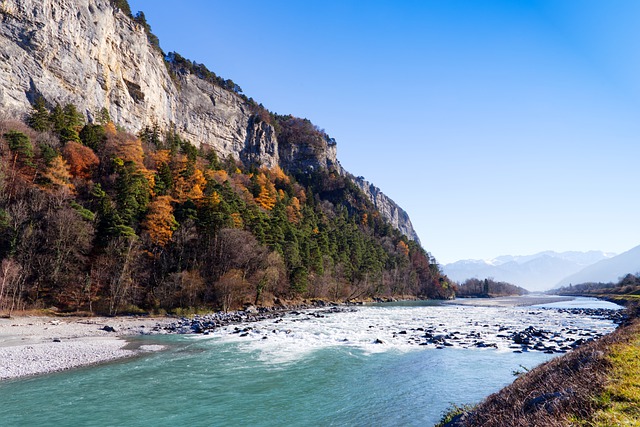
(233,261)
(11,281)
(67,241)
(271,279)
(113,272)
(230,289)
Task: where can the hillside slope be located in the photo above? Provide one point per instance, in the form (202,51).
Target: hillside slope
(132,181)
(92,54)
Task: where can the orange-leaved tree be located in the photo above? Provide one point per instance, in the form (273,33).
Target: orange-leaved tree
(82,160)
(266,198)
(159,224)
(190,187)
(403,248)
(57,174)
(124,146)
(293,210)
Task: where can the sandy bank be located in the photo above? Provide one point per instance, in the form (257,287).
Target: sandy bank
(40,345)
(514,301)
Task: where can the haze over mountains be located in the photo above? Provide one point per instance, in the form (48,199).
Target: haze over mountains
(538,272)
(607,270)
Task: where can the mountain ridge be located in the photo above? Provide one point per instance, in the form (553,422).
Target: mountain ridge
(607,270)
(94,218)
(537,272)
(93,54)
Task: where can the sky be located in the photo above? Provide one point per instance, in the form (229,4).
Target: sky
(501,127)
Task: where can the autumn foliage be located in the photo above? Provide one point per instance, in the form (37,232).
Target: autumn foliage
(58,174)
(82,161)
(96,219)
(159,223)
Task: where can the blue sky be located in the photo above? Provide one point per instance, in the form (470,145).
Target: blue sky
(501,127)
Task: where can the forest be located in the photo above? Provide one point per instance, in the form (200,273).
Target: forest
(94,219)
(629,286)
(488,288)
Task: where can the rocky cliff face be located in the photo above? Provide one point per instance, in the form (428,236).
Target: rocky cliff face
(87,53)
(388,208)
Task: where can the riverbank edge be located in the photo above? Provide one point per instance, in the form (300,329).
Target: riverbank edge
(44,342)
(28,354)
(34,345)
(565,391)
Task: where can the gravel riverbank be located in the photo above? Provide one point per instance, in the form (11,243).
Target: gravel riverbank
(512,301)
(38,345)
(33,345)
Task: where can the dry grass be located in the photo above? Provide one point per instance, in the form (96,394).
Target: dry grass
(29,312)
(541,398)
(620,401)
(601,378)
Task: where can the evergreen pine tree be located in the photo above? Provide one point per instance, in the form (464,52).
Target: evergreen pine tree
(39,117)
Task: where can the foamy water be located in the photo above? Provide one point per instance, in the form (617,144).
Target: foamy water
(374,329)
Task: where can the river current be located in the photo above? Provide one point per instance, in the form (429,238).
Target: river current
(366,366)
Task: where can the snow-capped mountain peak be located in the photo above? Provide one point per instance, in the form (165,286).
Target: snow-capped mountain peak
(535,272)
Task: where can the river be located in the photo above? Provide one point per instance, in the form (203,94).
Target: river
(369,365)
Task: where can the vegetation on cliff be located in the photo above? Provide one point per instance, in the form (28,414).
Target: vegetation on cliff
(95,219)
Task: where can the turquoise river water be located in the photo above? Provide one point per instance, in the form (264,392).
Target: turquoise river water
(308,371)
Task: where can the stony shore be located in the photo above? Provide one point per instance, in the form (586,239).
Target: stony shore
(32,345)
(594,385)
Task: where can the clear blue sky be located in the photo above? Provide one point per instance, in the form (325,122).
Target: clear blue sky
(501,127)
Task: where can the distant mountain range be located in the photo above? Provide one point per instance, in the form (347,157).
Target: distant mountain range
(607,270)
(538,272)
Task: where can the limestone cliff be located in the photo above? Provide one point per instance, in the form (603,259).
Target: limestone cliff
(388,208)
(88,53)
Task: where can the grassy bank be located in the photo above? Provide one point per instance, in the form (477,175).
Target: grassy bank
(619,403)
(595,385)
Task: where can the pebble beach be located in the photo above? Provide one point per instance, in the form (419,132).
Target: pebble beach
(39,345)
